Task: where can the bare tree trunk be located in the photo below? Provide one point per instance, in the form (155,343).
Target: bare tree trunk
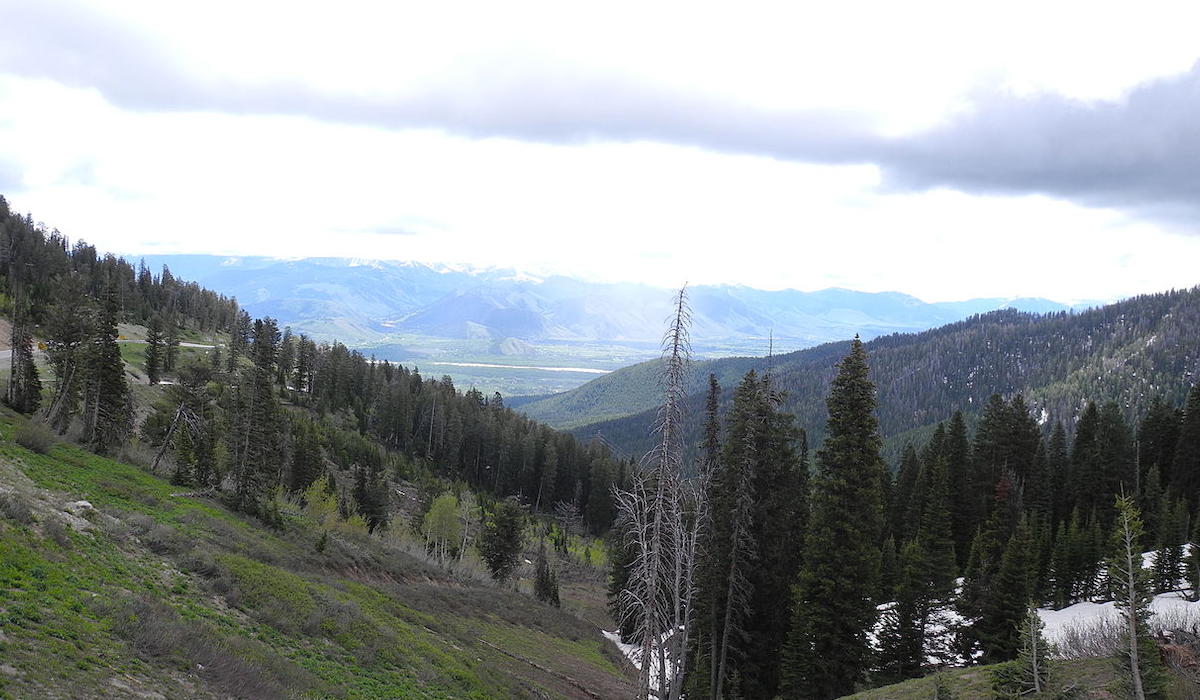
(167,440)
(1128,569)
(653,511)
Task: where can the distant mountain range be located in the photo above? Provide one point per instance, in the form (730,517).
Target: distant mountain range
(359,301)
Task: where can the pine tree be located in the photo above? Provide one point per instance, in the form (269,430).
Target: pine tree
(24,388)
(370,496)
(1058,464)
(1140,668)
(827,651)
(545,583)
(501,541)
(1150,502)
(1157,437)
(171,344)
(106,395)
(963,521)
(154,350)
(734,550)
(1030,674)
(257,457)
(1007,599)
(934,532)
(908,500)
(68,329)
(1185,463)
(983,564)
(1168,566)
(902,626)
(185,458)
(306,463)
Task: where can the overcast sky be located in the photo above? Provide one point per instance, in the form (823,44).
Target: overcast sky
(948,150)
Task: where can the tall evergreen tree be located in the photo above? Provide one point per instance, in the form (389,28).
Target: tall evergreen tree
(827,651)
(545,582)
(1157,437)
(154,349)
(1168,567)
(170,344)
(963,522)
(1102,461)
(68,329)
(902,626)
(1007,599)
(1185,463)
(1058,464)
(24,388)
(502,538)
(106,397)
(257,461)
(758,512)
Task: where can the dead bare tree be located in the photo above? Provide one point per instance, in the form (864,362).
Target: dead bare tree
(662,514)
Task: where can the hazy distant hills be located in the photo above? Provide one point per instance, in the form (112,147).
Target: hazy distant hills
(360,301)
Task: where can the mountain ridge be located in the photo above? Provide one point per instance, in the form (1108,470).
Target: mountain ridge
(364,300)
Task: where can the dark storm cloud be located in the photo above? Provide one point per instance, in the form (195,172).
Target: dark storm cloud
(1142,153)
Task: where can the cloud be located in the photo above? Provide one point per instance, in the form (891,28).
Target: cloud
(12,177)
(1141,153)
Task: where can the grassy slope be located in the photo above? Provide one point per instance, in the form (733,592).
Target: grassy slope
(155,595)
(1094,679)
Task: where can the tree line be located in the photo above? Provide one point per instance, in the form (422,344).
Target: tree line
(1127,353)
(812,585)
(271,409)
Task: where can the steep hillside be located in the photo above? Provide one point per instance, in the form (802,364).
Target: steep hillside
(1126,352)
(136,591)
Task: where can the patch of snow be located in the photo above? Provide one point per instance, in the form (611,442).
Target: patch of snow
(1168,606)
(633,652)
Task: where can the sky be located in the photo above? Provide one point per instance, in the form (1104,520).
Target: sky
(948,150)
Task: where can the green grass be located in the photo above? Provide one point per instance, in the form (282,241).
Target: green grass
(1092,677)
(153,592)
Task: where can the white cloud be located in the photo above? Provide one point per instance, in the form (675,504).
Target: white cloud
(140,167)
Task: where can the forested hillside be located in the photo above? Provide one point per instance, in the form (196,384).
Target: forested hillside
(308,451)
(1128,353)
(269,409)
(812,583)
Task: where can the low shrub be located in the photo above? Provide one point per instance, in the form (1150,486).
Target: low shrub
(57,530)
(156,630)
(14,507)
(35,437)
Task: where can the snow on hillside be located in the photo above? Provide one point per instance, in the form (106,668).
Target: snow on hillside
(1168,610)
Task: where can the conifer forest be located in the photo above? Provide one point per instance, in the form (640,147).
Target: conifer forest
(829,521)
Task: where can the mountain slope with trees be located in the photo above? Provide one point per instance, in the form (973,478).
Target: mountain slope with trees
(1127,353)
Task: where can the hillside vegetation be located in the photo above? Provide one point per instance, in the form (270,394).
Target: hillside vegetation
(137,591)
(1128,352)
